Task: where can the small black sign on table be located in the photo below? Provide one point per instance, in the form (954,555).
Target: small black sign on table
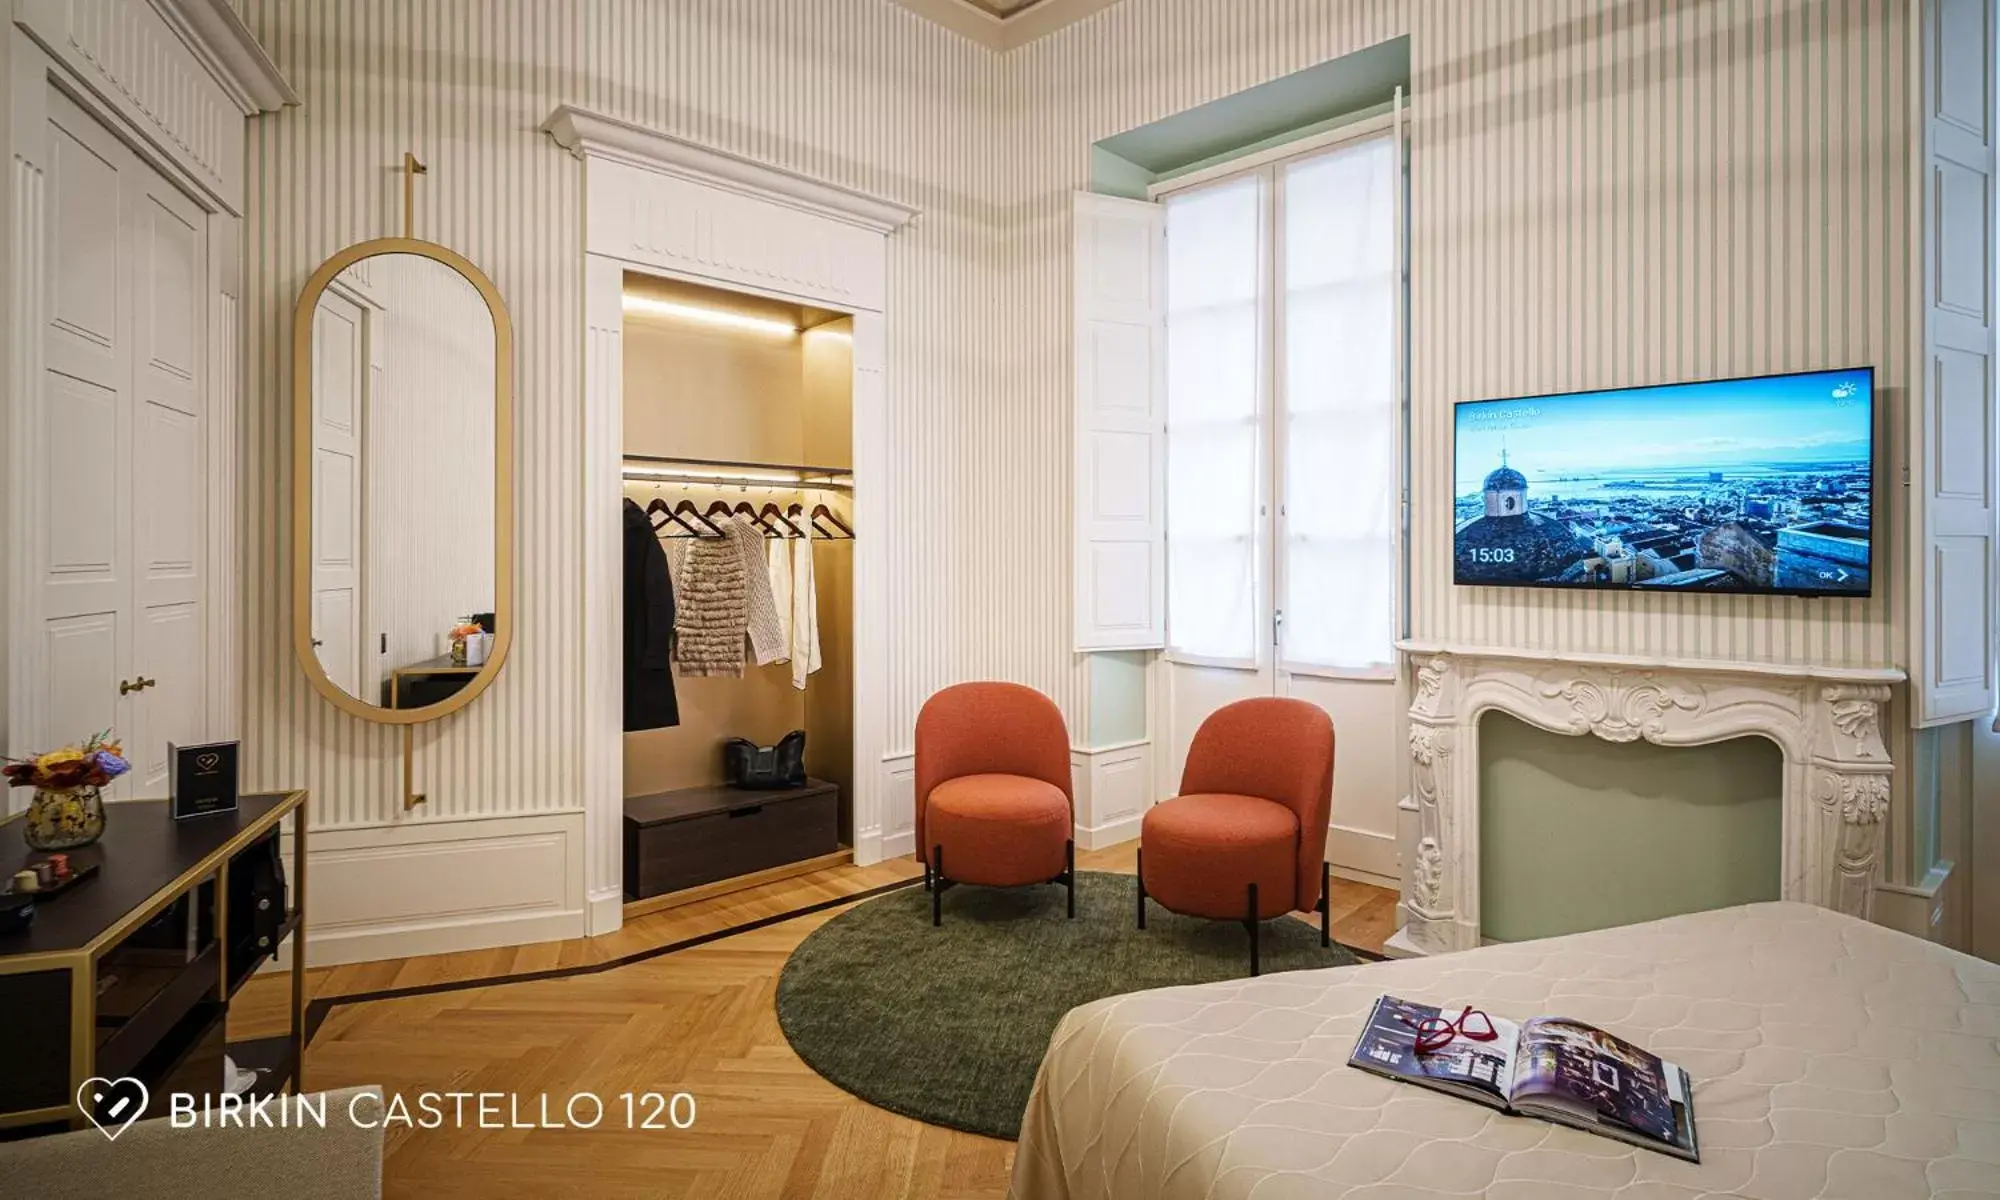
(203,779)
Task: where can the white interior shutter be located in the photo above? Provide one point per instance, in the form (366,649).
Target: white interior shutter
(1953,472)
(1120,473)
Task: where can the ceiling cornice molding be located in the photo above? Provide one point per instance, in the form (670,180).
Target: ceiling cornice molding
(593,135)
(226,47)
(1016,29)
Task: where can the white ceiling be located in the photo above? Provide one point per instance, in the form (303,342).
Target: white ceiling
(1005,24)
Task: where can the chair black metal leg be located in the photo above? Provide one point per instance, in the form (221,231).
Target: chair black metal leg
(1069,874)
(1325,906)
(937,886)
(1139,873)
(927,877)
(1254,924)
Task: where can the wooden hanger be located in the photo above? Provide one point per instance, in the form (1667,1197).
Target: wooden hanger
(798,511)
(821,510)
(771,510)
(686,507)
(660,506)
(744,509)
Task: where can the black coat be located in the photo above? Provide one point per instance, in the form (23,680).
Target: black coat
(649,627)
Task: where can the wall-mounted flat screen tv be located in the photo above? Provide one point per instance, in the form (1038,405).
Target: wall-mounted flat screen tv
(1762,485)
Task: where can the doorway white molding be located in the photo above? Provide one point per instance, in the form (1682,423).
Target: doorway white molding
(1826,721)
(665,206)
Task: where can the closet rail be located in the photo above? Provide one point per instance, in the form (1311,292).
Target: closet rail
(716,472)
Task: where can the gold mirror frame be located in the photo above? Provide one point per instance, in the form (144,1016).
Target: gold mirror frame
(503,477)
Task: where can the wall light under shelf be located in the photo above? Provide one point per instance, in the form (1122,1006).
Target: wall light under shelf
(708,316)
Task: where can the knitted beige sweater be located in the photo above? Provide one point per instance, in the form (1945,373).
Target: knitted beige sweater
(711,610)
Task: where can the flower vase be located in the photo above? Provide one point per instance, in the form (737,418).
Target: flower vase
(64,818)
(458,652)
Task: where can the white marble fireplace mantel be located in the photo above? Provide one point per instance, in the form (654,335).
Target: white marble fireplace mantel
(1825,720)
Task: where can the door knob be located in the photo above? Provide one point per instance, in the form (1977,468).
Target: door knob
(127,686)
(317,643)
(144,683)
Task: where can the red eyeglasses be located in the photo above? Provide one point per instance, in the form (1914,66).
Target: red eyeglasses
(1435,1033)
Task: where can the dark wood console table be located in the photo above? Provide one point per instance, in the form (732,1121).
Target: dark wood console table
(131,971)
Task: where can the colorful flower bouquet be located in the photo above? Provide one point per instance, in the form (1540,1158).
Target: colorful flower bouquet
(68,810)
(93,764)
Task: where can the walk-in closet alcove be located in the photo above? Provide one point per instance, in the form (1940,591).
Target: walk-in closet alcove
(735,355)
(738,459)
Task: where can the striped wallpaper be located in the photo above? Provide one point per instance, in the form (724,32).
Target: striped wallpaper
(1605,193)
(860,92)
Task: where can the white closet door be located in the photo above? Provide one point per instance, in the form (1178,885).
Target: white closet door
(83,499)
(119,501)
(337,437)
(169,476)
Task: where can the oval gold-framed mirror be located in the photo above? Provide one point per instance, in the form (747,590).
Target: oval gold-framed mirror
(402,473)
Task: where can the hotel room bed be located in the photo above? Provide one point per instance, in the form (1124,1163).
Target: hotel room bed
(1831,1058)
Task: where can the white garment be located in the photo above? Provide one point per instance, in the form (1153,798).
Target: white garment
(779,563)
(805,613)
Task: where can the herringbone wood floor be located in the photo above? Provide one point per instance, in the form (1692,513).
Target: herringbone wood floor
(700,1020)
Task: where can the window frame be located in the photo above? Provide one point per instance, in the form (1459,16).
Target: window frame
(1268,587)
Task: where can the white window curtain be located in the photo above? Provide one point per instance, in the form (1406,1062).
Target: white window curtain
(1215,270)
(1282,298)
(1338,446)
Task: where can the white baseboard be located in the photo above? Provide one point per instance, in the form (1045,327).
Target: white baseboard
(900,845)
(1364,854)
(1387,882)
(605,911)
(1916,909)
(434,887)
(1111,833)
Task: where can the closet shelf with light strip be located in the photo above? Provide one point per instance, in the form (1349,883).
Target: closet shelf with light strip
(726,473)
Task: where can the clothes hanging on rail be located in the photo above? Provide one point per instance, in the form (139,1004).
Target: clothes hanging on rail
(650,702)
(805,613)
(713,608)
(767,637)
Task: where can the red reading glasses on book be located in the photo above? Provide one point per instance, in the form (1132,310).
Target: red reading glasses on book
(1435,1033)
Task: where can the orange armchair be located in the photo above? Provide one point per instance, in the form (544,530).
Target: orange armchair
(993,797)
(1246,838)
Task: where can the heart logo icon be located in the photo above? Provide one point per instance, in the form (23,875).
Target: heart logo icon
(112,1104)
(207,762)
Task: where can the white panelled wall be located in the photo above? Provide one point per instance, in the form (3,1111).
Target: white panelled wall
(1602,195)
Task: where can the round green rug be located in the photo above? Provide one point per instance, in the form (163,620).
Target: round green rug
(948,1025)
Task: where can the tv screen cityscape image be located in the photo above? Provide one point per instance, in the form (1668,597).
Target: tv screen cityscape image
(1737,485)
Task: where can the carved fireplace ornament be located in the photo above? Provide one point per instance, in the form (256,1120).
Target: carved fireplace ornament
(1825,721)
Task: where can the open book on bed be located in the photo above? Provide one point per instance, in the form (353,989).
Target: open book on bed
(1548,1067)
